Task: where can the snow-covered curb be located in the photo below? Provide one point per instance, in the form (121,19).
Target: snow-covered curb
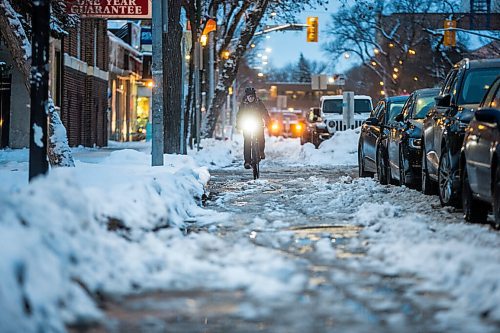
(103,228)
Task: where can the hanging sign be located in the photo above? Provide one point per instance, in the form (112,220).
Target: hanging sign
(110,9)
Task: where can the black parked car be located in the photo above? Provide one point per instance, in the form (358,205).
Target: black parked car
(312,117)
(372,130)
(444,126)
(404,140)
(480,160)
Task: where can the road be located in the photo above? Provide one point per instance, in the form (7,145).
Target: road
(357,245)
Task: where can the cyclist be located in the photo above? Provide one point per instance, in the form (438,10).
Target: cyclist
(252,106)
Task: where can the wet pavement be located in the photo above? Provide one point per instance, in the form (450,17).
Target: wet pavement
(342,293)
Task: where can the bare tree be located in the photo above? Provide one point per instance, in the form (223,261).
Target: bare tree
(238,21)
(15,31)
(391,38)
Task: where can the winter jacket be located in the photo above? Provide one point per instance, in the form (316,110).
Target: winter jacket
(255,109)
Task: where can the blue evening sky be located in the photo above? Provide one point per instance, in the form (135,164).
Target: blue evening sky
(287,46)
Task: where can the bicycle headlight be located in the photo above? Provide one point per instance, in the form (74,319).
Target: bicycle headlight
(250,125)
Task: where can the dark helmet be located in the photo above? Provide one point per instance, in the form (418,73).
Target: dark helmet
(250,91)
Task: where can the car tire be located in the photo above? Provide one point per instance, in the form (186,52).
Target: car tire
(402,171)
(427,185)
(315,140)
(383,176)
(361,164)
(496,196)
(475,211)
(447,196)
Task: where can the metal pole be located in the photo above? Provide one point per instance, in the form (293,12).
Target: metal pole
(38,164)
(183,74)
(210,69)
(197,63)
(157,121)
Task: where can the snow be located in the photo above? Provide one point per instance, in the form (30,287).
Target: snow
(341,149)
(114,225)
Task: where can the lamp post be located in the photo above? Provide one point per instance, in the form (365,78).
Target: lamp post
(38,164)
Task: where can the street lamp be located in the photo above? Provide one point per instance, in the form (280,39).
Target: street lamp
(376,51)
(347,55)
(225,54)
(374,63)
(412,52)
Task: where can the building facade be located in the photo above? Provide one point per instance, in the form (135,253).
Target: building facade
(84,93)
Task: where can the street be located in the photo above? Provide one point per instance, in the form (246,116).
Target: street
(342,236)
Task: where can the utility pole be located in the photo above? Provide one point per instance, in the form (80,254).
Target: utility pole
(160,27)
(38,164)
(198,61)
(211,60)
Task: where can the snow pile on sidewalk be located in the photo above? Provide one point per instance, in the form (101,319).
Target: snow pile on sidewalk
(102,228)
(341,149)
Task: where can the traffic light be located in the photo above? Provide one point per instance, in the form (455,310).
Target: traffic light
(450,36)
(312,29)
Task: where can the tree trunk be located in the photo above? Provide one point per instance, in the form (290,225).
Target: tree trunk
(172,63)
(230,68)
(19,47)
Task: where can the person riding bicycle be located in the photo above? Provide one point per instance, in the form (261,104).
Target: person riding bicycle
(251,106)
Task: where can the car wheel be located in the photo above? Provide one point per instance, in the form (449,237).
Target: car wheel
(427,185)
(447,195)
(382,174)
(315,140)
(361,164)
(474,210)
(402,169)
(496,197)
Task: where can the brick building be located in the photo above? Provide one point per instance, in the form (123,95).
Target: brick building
(83,96)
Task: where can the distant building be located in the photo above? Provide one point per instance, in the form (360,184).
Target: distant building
(292,96)
(130,82)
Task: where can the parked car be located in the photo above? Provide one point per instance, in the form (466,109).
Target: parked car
(404,144)
(311,120)
(480,160)
(444,126)
(372,157)
(332,115)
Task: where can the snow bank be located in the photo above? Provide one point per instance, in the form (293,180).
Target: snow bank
(341,149)
(114,226)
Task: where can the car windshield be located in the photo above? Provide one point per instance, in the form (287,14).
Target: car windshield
(362,106)
(424,104)
(335,106)
(395,109)
(332,106)
(477,82)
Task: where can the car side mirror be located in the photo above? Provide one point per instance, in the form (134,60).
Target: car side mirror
(443,100)
(487,115)
(400,117)
(372,121)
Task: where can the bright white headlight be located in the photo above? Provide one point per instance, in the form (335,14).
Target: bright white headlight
(250,125)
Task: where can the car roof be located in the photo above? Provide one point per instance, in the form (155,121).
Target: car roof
(401,98)
(480,63)
(427,91)
(341,97)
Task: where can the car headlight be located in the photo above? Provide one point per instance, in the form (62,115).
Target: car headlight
(250,125)
(331,123)
(415,143)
